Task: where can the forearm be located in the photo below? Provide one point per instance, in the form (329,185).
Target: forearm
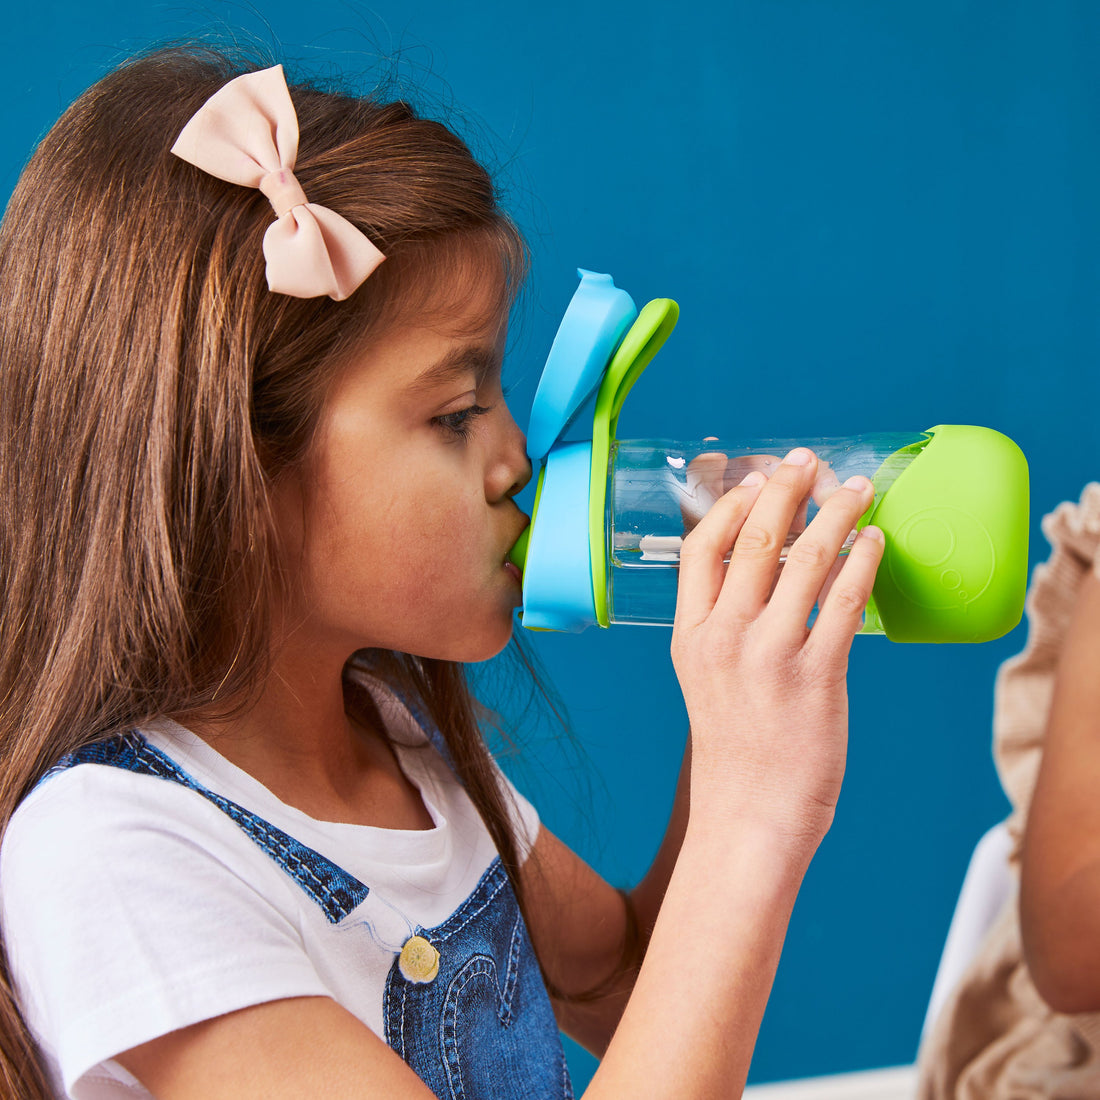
(648,895)
(592,1019)
(1060,880)
(1059,930)
(1060,872)
(690,1025)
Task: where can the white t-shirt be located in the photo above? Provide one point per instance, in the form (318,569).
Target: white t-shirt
(133,906)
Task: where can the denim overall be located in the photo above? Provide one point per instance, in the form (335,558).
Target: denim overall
(481,1027)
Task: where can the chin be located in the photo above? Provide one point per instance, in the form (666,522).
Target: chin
(481,642)
(474,654)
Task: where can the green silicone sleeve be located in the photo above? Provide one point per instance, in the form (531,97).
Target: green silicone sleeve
(956,528)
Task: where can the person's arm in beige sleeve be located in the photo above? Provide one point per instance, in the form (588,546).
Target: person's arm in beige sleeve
(1060,870)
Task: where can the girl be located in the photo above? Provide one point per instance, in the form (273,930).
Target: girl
(258,496)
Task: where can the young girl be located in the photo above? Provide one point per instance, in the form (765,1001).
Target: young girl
(1025,1018)
(258,481)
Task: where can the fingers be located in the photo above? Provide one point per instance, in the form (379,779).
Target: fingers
(841,614)
(755,519)
(825,484)
(834,572)
(704,550)
(762,537)
(814,554)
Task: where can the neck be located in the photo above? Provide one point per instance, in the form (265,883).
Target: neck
(297,739)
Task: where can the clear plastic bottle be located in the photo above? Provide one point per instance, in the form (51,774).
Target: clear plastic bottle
(952,502)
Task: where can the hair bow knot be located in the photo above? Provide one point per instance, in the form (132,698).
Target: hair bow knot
(283,191)
(247,133)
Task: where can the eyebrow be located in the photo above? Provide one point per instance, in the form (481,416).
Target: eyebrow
(482,361)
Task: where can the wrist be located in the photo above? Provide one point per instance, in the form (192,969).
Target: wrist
(772,849)
(791,826)
(765,782)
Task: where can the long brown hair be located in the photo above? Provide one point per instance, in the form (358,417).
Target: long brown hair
(151,389)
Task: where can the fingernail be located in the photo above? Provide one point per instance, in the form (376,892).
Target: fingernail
(754,479)
(800,456)
(858,481)
(874,533)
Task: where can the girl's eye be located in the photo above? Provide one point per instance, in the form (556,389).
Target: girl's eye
(458,423)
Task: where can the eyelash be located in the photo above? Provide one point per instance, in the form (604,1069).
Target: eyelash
(458,422)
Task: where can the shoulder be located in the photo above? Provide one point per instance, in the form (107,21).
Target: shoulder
(80,806)
(130,906)
(117,796)
(99,845)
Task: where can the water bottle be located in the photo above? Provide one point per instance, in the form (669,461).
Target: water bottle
(610,515)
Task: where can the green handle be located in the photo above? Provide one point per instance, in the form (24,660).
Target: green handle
(652,328)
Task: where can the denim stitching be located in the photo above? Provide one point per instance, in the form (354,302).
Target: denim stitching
(404,998)
(448,1045)
(132,752)
(479,966)
(394,1023)
(495,877)
(511,977)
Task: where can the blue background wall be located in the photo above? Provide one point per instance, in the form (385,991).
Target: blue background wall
(874,216)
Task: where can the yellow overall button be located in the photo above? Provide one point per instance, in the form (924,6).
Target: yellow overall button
(419,961)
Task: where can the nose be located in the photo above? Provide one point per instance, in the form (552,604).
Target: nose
(512,469)
(524,475)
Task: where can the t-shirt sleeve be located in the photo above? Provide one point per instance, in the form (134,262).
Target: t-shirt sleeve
(129,913)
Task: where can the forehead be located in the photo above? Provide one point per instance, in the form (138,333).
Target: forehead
(413,361)
(425,302)
(460,287)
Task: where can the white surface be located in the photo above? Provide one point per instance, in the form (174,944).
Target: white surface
(988,885)
(895,1083)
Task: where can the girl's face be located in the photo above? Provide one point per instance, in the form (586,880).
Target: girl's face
(403,515)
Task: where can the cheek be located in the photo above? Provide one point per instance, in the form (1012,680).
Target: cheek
(443,544)
(396,544)
(443,525)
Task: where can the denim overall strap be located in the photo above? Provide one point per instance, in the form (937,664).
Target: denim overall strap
(330,886)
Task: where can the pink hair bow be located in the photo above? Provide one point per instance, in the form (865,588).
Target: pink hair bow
(247,133)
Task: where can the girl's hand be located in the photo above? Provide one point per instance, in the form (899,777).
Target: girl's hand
(766,695)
